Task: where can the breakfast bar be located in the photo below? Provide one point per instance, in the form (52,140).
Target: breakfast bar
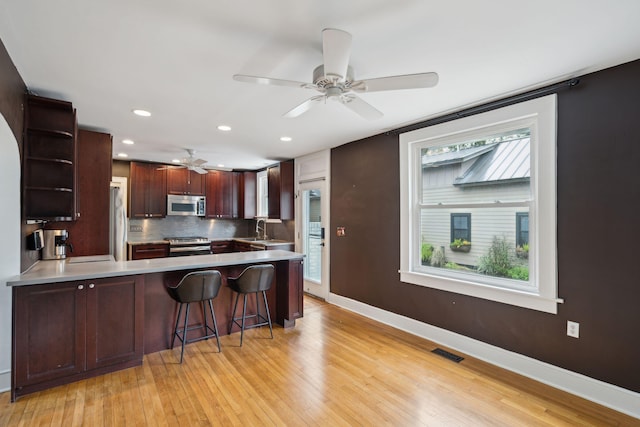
(77,318)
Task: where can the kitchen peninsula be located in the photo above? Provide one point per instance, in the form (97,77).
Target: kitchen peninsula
(73,320)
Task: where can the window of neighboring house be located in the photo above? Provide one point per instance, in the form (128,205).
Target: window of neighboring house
(461,226)
(491,165)
(522,228)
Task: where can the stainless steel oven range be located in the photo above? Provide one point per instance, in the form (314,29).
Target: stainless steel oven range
(183,246)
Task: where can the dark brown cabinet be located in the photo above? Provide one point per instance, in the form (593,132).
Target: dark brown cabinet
(72,330)
(148,251)
(89,233)
(49,159)
(289,298)
(223,194)
(185,181)
(221,246)
(280,183)
(148,190)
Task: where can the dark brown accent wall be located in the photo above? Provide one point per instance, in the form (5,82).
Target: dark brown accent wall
(12,92)
(598,203)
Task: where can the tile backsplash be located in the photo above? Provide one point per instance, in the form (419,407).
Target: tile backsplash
(187,226)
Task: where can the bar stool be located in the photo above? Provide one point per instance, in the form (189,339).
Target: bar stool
(254,279)
(199,286)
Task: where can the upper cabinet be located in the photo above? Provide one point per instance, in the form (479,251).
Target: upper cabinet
(185,181)
(148,190)
(49,160)
(223,194)
(89,233)
(280,191)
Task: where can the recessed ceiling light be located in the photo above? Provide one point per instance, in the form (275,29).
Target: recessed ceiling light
(123,155)
(142,113)
(224,128)
(128,141)
(285,139)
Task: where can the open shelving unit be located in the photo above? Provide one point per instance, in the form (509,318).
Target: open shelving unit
(49,172)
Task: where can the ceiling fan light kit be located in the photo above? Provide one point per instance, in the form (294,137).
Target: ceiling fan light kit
(334,79)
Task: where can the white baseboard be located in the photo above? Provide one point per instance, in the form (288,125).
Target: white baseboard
(614,397)
(5,381)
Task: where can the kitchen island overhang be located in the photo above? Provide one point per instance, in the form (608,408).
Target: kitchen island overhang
(151,318)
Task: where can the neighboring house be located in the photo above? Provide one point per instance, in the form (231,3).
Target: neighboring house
(456,182)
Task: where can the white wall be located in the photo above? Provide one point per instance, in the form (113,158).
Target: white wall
(10,247)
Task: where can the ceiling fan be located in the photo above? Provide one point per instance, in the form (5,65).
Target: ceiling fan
(334,79)
(192,163)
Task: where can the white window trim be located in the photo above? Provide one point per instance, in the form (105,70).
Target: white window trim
(540,115)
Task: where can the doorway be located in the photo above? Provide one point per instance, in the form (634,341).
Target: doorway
(312,197)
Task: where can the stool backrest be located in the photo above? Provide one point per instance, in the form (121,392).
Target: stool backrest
(255,278)
(197,286)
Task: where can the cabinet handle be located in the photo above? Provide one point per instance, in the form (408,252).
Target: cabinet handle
(80,287)
(91,286)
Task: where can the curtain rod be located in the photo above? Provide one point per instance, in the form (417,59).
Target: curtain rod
(526,96)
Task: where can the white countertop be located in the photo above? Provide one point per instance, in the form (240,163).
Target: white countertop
(63,270)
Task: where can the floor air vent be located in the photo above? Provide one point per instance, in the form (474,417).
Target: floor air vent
(447,355)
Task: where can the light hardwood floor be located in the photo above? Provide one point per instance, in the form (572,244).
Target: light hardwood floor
(334,368)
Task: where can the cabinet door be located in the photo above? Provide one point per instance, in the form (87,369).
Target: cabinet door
(184,181)
(223,194)
(148,190)
(157,191)
(197,183)
(49,332)
(273,182)
(177,180)
(139,179)
(280,182)
(115,318)
(89,233)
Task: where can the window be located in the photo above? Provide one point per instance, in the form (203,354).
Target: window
(522,229)
(263,194)
(498,167)
(461,226)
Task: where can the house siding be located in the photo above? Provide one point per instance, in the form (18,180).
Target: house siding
(486,223)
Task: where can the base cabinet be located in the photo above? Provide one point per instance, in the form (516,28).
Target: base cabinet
(67,331)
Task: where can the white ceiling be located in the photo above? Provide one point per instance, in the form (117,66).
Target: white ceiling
(177,58)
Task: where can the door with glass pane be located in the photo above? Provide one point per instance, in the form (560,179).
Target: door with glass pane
(312,238)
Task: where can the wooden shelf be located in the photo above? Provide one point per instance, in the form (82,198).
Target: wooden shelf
(52,132)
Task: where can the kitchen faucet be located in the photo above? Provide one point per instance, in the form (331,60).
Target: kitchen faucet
(263,228)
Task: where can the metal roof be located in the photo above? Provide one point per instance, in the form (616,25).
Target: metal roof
(506,162)
(435,160)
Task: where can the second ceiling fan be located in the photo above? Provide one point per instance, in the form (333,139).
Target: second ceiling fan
(334,79)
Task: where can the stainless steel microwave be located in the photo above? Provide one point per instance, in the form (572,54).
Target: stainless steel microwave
(186,205)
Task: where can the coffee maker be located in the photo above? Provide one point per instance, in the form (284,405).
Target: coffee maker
(55,244)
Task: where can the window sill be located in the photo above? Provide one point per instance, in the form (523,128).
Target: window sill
(520,298)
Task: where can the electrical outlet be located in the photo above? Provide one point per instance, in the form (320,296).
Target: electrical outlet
(135,228)
(573,329)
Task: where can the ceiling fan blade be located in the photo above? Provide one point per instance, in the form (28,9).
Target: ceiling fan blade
(304,107)
(198,169)
(336,49)
(407,81)
(360,107)
(197,162)
(272,82)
